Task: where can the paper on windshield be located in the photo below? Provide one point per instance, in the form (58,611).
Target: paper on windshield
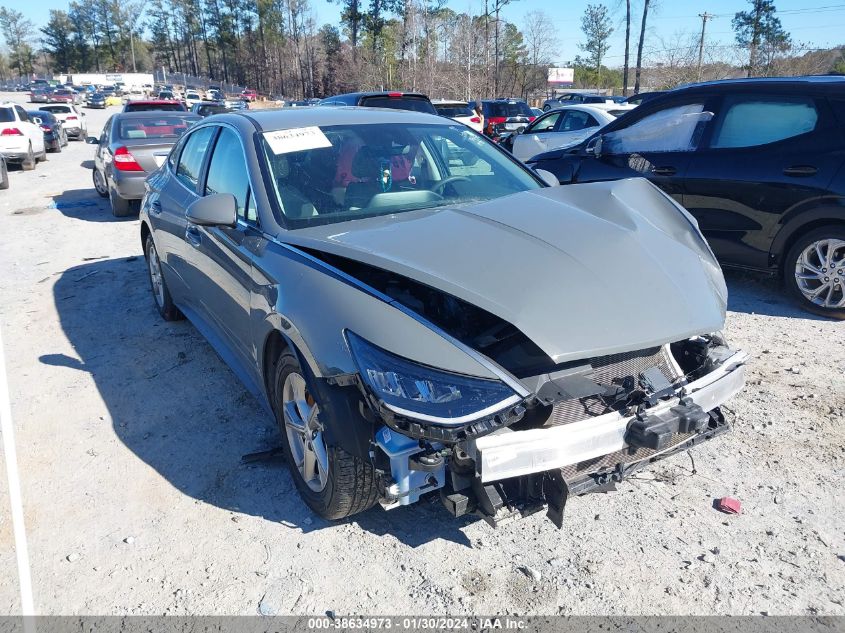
(296,139)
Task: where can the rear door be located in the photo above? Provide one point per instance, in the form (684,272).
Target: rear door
(766,154)
(171,191)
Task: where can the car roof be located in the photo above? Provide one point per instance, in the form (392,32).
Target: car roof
(797,82)
(153,101)
(380,93)
(586,107)
(449,102)
(280,119)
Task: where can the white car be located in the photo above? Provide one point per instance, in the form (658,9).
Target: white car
(21,140)
(460,111)
(73,120)
(565,126)
(192,97)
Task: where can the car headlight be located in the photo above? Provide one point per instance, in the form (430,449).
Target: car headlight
(424,393)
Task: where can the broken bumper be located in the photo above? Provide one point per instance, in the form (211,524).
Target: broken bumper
(505,454)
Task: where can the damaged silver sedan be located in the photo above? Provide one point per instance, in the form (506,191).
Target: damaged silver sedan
(423,315)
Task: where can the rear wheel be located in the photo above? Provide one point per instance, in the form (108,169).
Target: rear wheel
(120,208)
(28,163)
(814,271)
(161,295)
(333,483)
(100,183)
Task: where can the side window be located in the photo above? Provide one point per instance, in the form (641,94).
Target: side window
(174,154)
(227,170)
(251,209)
(545,124)
(675,129)
(190,161)
(749,120)
(576,120)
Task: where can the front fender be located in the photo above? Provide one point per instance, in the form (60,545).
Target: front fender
(311,306)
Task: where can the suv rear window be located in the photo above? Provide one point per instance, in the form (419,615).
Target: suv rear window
(509,109)
(152,107)
(417,104)
(453,109)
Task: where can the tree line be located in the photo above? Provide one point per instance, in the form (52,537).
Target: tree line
(277,47)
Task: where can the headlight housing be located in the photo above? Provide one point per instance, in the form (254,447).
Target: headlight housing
(424,393)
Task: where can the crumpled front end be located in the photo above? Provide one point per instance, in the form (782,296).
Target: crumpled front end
(579,429)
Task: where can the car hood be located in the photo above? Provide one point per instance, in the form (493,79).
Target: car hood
(582,270)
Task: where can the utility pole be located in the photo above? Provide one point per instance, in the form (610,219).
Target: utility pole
(704,17)
(132,46)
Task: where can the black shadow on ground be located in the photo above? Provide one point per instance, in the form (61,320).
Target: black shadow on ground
(179,409)
(88,205)
(759,293)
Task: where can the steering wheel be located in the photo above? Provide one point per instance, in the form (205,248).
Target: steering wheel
(438,188)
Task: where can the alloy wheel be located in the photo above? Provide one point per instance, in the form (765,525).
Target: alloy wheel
(155,275)
(304,432)
(99,182)
(820,273)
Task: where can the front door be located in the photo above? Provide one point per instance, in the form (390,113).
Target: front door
(657,146)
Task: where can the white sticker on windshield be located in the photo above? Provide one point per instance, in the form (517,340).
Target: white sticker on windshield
(296,139)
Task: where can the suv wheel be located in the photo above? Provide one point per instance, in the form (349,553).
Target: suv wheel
(814,271)
(332,482)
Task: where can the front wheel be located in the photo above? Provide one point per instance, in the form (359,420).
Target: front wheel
(814,271)
(332,482)
(100,183)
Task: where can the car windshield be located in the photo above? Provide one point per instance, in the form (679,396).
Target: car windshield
(324,175)
(509,109)
(158,127)
(208,110)
(453,109)
(60,109)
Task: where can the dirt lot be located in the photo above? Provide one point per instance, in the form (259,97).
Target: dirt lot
(130,433)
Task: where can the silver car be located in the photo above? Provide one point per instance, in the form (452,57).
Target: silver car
(423,315)
(131,145)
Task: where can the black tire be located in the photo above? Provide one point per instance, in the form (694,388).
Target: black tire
(831,232)
(28,163)
(102,188)
(4,175)
(164,302)
(57,148)
(120,208)
(351,483)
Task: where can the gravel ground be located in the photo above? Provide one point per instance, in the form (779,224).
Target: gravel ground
(130,433)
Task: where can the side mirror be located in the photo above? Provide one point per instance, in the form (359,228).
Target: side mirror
(593,147)
(92,140)
(219,209)
(547,177)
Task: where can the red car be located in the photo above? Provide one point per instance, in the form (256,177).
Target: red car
(62,96)
(169,105)
(249,95)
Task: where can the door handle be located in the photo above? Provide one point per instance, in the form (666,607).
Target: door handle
(193,235)
(664,171)
(799,171)
(155,207)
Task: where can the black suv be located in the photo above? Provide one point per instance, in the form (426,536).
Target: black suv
(394,100)
(760,163)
